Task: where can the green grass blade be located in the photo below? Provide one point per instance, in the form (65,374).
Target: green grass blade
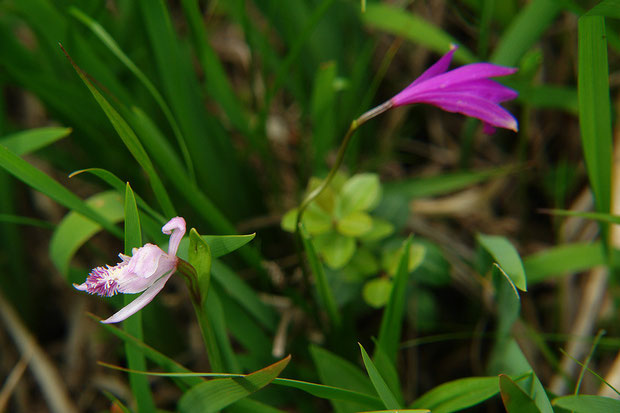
(322,285)
(525,30)
(225,244)
(506,256)
(587,404)
(38,180)
(214,395)
(133,325)
(595,108)
(458,394)
(399,22)
(392,321)
(25,142)
(132,143)
(111,44)
(384,392)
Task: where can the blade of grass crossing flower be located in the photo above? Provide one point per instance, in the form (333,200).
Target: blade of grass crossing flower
(322,285)
(74,229)
(525,30)
(132,143)
(595,109)
(458,395)
(392,321)
(25,142)
(214,395)
(399,22)
(38,180)
(514,398)
(111,44)
(384,392)
(133,325)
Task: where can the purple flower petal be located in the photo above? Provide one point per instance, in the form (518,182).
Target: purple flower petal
(437,68)
(139,303)
(475,107)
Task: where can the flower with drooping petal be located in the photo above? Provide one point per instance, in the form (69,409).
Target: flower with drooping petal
(148,270)
(467,90)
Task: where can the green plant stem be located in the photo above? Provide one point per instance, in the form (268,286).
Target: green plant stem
(213,351)
(365,117)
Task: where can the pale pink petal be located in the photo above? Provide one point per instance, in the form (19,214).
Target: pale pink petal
(176,227)
(81,287)
(139,303)
(146,260)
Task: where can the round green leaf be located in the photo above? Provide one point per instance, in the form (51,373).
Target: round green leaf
(335,249)
(355,224)
(361,192)
(377,292)
(381,228)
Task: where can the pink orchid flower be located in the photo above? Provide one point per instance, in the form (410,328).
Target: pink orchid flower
(467,90)
(148,270)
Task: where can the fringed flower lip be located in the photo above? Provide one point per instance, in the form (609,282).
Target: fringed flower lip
(467,90)
(146,271)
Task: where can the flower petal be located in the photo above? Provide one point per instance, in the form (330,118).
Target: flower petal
(438,67)
(139,303)
(176,227)
(486,89)
(474,106)
(146,260)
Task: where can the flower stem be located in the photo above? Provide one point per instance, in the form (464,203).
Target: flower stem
(365,117)
(200,305)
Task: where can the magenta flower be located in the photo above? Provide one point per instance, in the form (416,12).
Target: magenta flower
(148,270)
(467,90)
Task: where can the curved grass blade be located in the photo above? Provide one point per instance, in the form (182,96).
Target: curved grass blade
(392,321)
(399,22)
(384,392)
(506,256)
(133,325)
(38,180)
(131,141)
(458,394)
(214,395)
(587,403)
(322,285)
(25,142)
(514,398)
(111,44)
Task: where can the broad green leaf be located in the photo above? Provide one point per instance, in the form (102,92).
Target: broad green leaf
(336,249)
(583,403)
(608,8)
(393,315)
(506,256)
(25,142)
(400,22)
(380,229)
(133,325)
(38,180)
(214,395)
(514,398)
(355,224)
(315,220)
(458,394)
(376,292)
(361,192)
(74,230)
(322,285)
(384,392)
